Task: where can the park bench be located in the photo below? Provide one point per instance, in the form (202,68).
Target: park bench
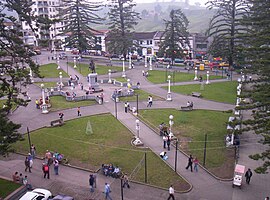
(186,108)
(58,122)
(196,94)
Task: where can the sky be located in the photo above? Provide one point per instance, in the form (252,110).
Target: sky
(190,1)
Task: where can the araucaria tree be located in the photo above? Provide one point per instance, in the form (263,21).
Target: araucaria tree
(257,58)
(78,16)
(122,19)
(225,28)
(174,40)
(15,64)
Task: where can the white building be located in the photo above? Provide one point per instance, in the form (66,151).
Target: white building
(45,8)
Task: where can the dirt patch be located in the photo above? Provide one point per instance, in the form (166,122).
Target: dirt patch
(226,170)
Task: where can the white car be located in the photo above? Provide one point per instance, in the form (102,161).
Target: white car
(37,194)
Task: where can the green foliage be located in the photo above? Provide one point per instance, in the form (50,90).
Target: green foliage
(15,63)
(258,62)
(175,36)
(122,19)
(225,28)
(78,17)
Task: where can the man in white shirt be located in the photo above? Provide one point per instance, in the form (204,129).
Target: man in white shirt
(171,193)
(116,172)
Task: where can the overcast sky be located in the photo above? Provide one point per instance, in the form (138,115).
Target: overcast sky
(190,1)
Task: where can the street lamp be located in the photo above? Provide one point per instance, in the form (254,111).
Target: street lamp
(74,60)
(58,65)
(61,81)
(138,128)
(31,75)
(145,61)
(150,63)
(128,85)
(169,96)
(124,73)
(129,61)
(207,78)
(109,74)
(171,124)
(196,74)
(44,105)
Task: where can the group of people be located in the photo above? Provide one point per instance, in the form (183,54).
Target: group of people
(192,160)
(19,178)
(110,170)
(190,104)
(51,159)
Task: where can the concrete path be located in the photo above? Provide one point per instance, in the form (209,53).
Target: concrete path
(204,185)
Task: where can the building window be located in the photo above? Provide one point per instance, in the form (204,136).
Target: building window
(141,42)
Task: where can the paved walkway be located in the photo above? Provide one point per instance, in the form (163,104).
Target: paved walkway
(204,185)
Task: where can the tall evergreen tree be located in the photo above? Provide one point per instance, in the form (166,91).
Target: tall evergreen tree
(122,19)
(225,28)
(15,62)
(174,40)
(256,49)
(78,16)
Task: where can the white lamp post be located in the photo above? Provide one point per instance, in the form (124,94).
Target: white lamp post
(74,60)
(44,105)
(61,80)
(145,61)
(138,128)
(110,73)
(196,74)
(169,96)
(207,78)
(31,75)
(128,85)
(171,124)
(58,66)
(150,63)
(124,71)
(129,61)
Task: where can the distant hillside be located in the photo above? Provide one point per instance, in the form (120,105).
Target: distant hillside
(152,15)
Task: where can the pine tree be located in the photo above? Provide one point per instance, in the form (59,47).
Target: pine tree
(15,63)
(174,40)
(122,19)
(225,28)
(78,16)
(257,62)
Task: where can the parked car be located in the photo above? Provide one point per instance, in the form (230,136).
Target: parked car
(37,194)
(75,51)
(178,60)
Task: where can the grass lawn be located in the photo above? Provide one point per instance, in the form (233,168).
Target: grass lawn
(108,143)
(222,92)
(100,69)
(157,76)
(46,84)
(50,71)
(7,187)
(143,96)
(60,103)
(191,127)
(121,79)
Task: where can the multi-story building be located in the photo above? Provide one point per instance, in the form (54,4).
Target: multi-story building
(200,45)
(44,8)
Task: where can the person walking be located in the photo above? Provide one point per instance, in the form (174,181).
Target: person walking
(91,182)
(79,111)
(126,107)
(30,158)
(55,166)
(150,101)
(168,142)
(248,175)
(196,163)
(46,170)
(126,181)
(33,151)
(107,191)
(190,161)
(164,141)
(171,193)
(27,164)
